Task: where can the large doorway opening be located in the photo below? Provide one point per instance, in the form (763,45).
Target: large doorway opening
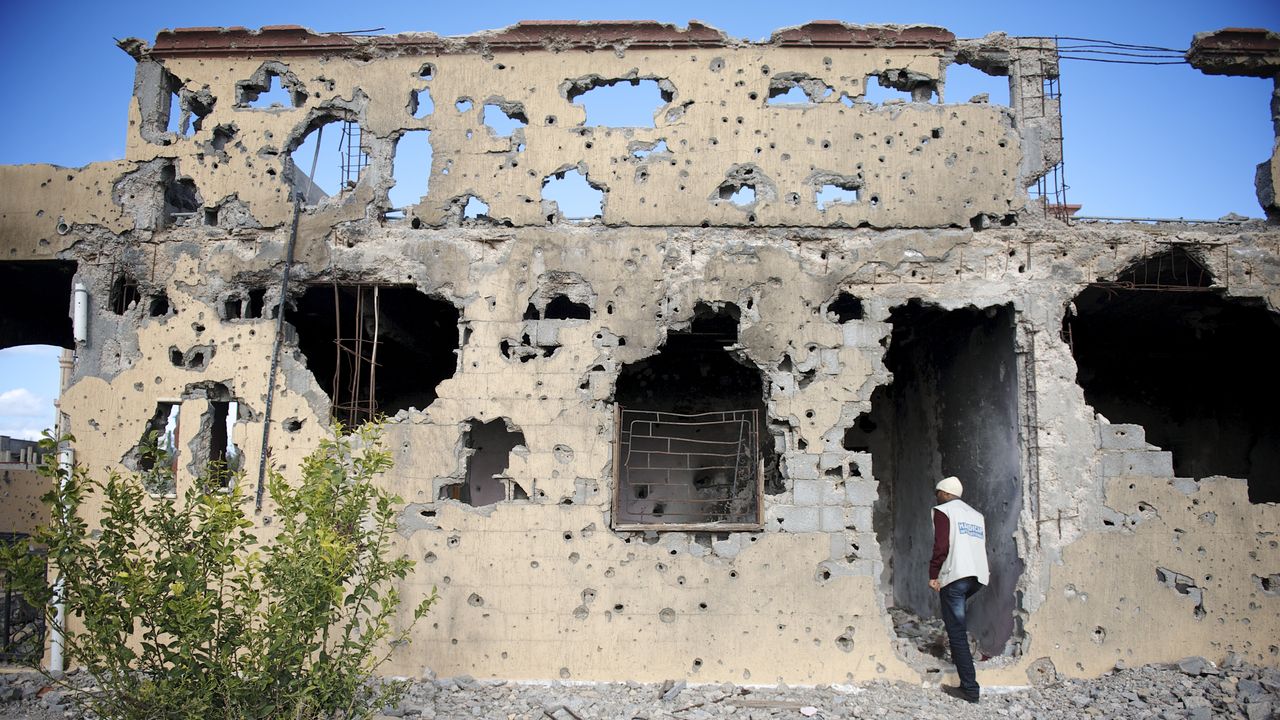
(952,409)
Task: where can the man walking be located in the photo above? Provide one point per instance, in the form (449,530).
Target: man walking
(957,570)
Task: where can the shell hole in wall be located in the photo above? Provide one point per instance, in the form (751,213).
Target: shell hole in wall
(420,103)
(898,85)
(833,194)
(965,83)
(504,118)
(1162,347)
(488,447)
(740,195)
(411,171)
(575,197)
(275,95)
(620,102)
(844,307)
(416,336)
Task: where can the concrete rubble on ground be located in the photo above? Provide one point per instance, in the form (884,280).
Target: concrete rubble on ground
(1193,688)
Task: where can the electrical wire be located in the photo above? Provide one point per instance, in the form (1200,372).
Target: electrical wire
(1110,51)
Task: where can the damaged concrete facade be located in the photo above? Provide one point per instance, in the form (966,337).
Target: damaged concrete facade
(800,372)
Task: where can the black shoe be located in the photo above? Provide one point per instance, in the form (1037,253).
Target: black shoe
(960,694)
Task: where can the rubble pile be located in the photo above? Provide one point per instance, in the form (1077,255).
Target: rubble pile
(1192,688)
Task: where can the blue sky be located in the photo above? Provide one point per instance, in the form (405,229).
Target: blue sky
(1149,141)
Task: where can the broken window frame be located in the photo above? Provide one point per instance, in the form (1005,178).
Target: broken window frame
(622,485)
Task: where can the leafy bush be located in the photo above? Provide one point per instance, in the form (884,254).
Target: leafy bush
(180,611)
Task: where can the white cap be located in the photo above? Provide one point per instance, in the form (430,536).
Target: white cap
(950,485)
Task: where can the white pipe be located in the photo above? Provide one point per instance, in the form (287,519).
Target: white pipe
(66,458)
(80,316)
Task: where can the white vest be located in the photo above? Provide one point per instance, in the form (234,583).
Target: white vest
(968,540)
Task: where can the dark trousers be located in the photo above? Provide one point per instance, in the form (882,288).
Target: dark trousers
(953,597)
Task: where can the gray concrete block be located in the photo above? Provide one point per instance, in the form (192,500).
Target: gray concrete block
(833,492)
(858,517)
(1122,437)
(802,466)
(1146,464)
(807,493)
(789,518)
(860,492)
(831,519)
(828,460)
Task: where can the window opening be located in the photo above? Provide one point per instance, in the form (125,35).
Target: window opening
(124,293)
(952,409)
(411,169)
(375,350)
(333,148)
(420,103)
(1160,347)
(225,457)
(690,450)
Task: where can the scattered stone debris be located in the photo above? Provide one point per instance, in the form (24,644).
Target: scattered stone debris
(1191,688)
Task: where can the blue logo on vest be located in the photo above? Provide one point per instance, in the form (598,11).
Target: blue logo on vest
(973,531)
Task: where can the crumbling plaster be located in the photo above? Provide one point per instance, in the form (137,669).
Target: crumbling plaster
(543,588)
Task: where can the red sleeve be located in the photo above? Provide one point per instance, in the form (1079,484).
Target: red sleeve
(941,543)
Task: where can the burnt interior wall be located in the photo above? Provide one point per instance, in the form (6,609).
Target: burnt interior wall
(950,410)
(35,303)
(416,339)
(1162,349)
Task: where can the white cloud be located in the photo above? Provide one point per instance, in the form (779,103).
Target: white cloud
(47,351)
(21,402)
(24,431)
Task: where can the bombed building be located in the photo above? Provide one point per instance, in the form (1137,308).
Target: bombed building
(693,430)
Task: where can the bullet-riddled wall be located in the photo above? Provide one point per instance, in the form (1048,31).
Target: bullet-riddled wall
(835,301)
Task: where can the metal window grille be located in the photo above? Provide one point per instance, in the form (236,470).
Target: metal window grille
(23,624)
(353,160)
(688,472)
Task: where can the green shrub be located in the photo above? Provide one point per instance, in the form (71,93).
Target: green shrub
(180,611)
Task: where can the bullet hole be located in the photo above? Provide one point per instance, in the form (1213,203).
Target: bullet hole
(564,673)
(568,536)
(475,600)
(1099,635)
(697,664)
(574,557)
(453,541)
(617,608)
(702,606)
(293,425)
(429,557)
(427,71)
(845,640)
(667,615)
